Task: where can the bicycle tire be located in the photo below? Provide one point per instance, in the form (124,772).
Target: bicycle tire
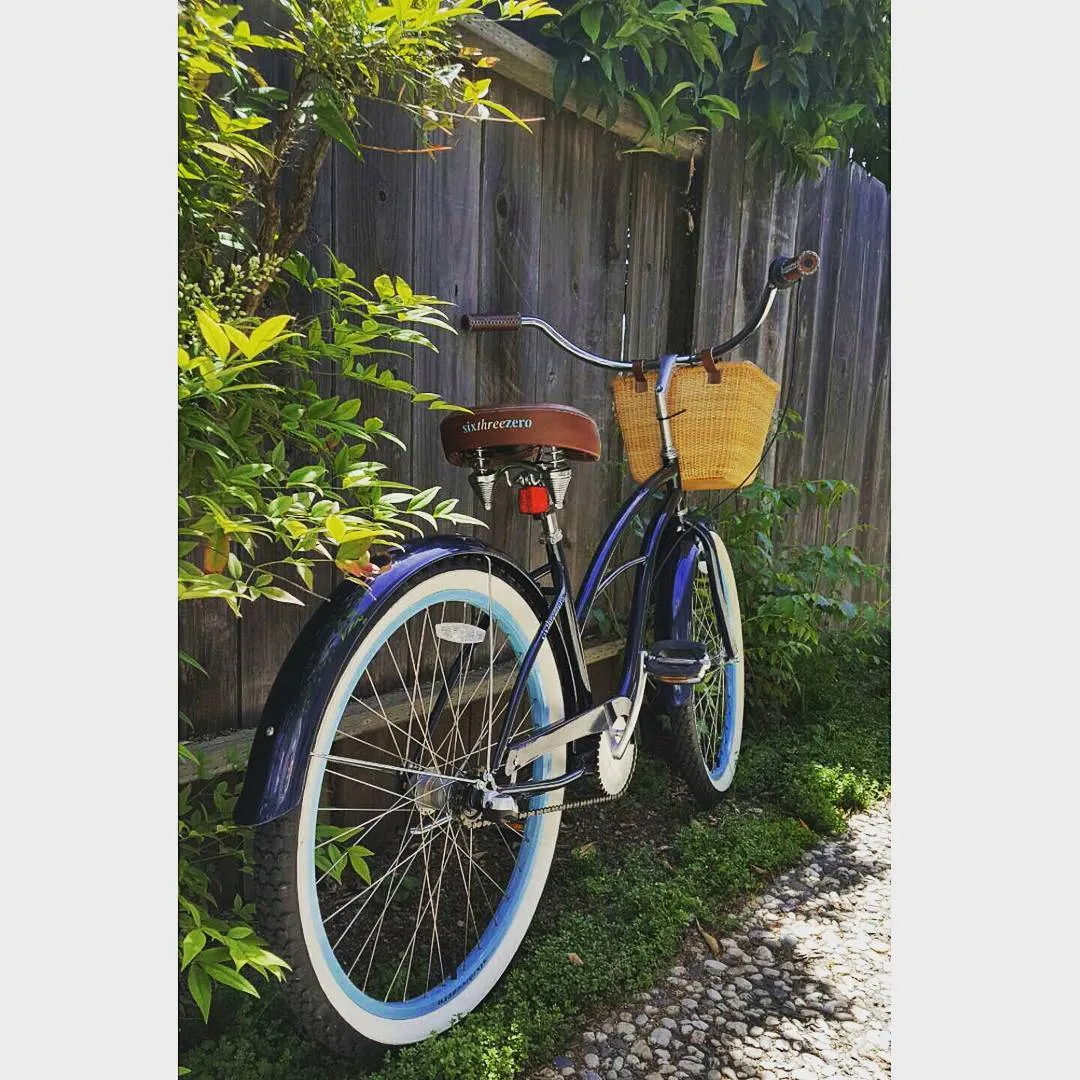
(704,752)
(326,999)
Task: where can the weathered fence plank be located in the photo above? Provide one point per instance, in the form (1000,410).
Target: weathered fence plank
(508,368)
(446,215)
(719,238)
(210,635)
(582,292)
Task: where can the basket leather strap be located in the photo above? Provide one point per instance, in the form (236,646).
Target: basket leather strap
(709,364)
(640,385)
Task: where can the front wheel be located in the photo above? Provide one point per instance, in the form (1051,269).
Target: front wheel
(706,731)
(396,903)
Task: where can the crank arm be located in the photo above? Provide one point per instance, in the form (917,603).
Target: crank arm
(618,747)
(591,722)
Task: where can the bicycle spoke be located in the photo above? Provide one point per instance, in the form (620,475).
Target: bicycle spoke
(431,711)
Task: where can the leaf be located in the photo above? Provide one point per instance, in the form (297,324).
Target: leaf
(760,58)
(590,20)
(649,110)
(212,334)
(847,112)
(720,19)
(330,119)
(336,528)
(359,865)
(186,658)
(722,104)
(193,944)
(228,976)
(805,42)
(418,502)
(267,332)
(281,596)
(240,340)
(714,945)
(306,474)
(575,959)
(201,989)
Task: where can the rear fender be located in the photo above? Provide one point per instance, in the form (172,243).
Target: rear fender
(277,765)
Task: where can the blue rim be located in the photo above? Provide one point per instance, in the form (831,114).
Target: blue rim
(732,671)
(504,914)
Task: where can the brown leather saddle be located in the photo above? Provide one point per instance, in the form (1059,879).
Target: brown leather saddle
(519,431)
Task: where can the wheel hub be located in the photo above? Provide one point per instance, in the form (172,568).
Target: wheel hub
(431,794)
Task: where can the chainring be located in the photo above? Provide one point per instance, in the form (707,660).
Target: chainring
(614,773)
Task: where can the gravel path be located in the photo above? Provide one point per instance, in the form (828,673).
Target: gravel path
(799,992)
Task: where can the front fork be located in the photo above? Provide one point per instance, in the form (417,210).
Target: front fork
(689,544)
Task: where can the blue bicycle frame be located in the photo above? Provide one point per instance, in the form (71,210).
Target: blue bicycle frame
(673,546)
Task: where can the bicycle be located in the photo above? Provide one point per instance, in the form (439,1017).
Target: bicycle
(409,771)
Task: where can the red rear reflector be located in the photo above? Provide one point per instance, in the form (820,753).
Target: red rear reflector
(534,499)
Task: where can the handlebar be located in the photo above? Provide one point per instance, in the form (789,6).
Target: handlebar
(478,324)
(784,272)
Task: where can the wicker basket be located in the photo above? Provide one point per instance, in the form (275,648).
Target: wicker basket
(719,429)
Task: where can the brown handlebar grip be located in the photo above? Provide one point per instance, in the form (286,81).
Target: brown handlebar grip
(788,270)
(480,323)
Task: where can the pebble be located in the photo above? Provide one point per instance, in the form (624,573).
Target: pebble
(780,1001)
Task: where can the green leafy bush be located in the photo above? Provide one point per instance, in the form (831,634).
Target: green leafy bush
(792,592)
(211,936)
(809,78)
(274,472)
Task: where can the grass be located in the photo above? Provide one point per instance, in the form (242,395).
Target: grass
(796,781)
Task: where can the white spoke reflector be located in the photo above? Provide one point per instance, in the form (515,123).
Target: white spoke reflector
(460,633)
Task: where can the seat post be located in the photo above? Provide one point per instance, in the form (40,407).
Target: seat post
(552,536)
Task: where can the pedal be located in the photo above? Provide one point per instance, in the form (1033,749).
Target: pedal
(678,661)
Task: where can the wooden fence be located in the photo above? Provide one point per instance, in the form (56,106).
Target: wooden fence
(631,253)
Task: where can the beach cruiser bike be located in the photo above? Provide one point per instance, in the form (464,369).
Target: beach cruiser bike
(410,768)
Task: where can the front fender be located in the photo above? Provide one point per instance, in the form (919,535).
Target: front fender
(276,767)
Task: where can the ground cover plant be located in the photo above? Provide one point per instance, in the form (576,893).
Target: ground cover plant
(647,865)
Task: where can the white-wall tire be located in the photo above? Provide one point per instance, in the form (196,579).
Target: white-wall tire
(327,1000)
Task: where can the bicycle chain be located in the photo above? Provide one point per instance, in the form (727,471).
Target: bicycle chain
(577,804)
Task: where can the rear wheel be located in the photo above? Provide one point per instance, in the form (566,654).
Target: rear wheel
(706,731)
(397,905)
